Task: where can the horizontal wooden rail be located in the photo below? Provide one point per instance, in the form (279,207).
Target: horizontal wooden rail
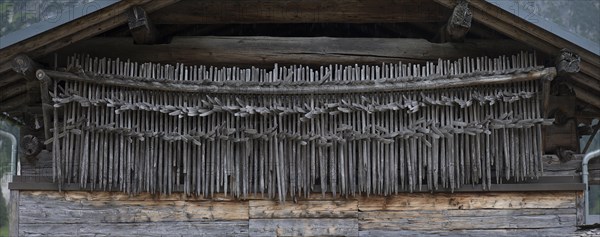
(424,83)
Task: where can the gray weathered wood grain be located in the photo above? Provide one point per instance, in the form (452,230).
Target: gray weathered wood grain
(217,228)
(265,209)
(549,232)
(303,227)
(47,209)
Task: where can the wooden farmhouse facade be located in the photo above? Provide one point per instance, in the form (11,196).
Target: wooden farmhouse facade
(310,118)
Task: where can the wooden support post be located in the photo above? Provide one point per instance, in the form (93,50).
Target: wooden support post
(25,66)
(458,25)
(46,106)
(142,29)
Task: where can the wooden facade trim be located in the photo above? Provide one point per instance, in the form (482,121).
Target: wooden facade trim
(548,183)
(51,213)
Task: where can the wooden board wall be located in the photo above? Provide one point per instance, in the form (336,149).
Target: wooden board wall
(45,213)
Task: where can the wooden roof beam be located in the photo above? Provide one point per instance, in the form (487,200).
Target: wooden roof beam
(24,65)
(294,11)
(266,51)
(567,62)
(141,27)
(458,25)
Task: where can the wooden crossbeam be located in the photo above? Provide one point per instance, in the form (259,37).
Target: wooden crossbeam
(266,51)
(424,83)
(306,11)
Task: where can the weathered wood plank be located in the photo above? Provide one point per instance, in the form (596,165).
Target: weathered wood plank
(9,78)
(68,210)
(307,11)
(303,227)
(217,228)
(509,212)
(580,209)
(14,103)
(265,209)
(119,196)
(13,213)
(11,92)
(550,232)
(554,167)
(266,51)
(441,220)
(443,201)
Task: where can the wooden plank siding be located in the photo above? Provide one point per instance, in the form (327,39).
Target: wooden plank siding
(80,213)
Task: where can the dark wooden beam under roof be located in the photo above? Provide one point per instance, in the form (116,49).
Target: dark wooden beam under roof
(266,51)
(141,27)
(294,11)
(457,26)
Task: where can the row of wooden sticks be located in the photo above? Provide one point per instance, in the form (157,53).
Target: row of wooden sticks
(137,140)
